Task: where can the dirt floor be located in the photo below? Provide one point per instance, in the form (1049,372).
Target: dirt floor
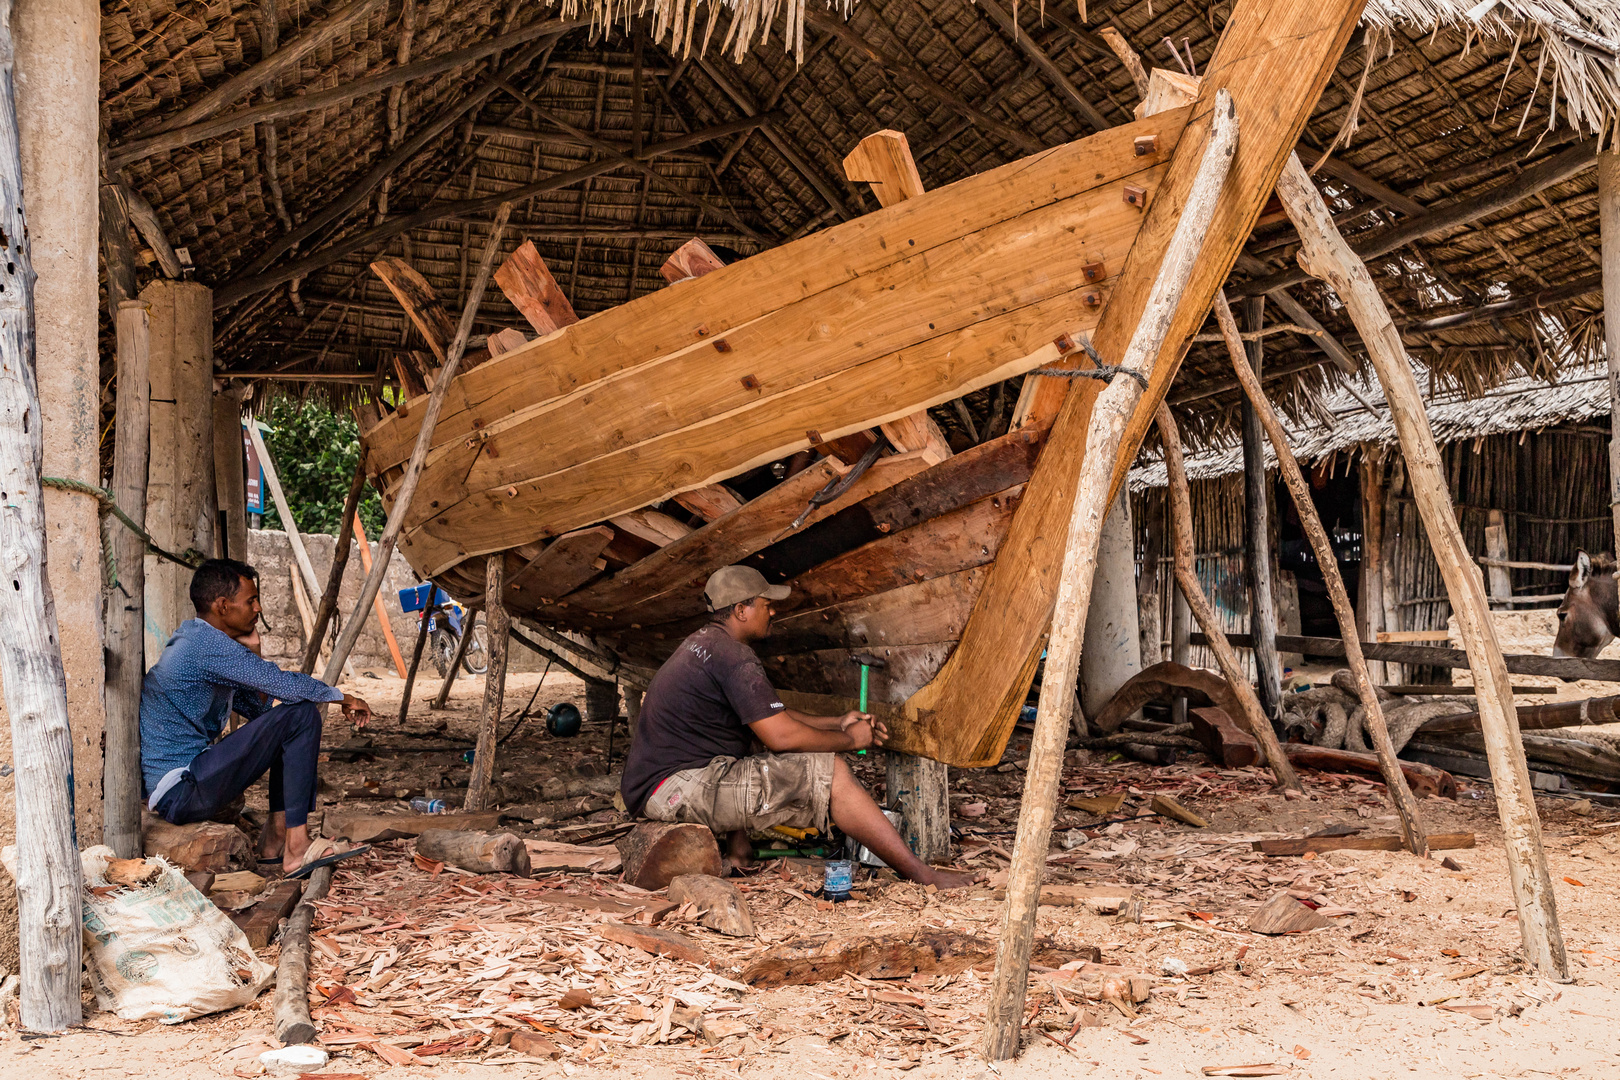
(1417,971)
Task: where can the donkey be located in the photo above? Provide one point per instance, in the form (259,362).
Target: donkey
(1589,617)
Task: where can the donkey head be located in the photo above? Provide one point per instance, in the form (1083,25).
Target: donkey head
(1588,618)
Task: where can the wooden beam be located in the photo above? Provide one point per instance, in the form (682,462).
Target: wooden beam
(710,502)
(923,81)
(1004,1012)
(48,878)
(1257,536)
(134,149)
(1609,231)
(1325,254)
(146,222)
(1537,178)
(692,259)
(1343,170)
(420,303)
(230,487)
(1037,55)
(283,61)
(1518,305)
(566,563)
(251,282)
(1274,56)
(527,282)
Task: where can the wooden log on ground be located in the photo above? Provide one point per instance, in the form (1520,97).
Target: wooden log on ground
(1325,254)
(557,809)
(1559,667)
(1422,779)
(1320,844)
(375,828)
(1110,416)
(548,856)
(291,1003)
(205,845)
(1266,417)
(1228,745)
(656,941)
(655,853)
(480,852)
(260,921)
(1283,914)
(1558,714)
(719,903)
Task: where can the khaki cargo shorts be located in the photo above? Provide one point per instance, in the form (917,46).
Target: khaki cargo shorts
(750,793)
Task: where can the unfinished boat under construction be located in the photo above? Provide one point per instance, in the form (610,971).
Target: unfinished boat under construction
(774,412)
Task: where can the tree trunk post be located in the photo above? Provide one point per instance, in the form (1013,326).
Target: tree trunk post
(1257,539)
(230,481)
(35,684)
(1608,170)
(1400,794)
(1113,652)
(470,621)
(1149,625)
(1325,254)
(1111,413)
(1370,616)
(920,789)
(340,562)
(498,625)
(424,441)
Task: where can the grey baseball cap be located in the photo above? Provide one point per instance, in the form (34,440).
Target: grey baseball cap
(737,584)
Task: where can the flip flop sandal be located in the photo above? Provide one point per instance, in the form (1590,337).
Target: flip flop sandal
(327,860)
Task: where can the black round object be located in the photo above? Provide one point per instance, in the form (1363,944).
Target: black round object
(563,720)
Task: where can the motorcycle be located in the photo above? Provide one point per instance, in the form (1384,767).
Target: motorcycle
(449,621)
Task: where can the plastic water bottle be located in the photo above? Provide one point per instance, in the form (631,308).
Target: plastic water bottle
(428,806)
(840,876)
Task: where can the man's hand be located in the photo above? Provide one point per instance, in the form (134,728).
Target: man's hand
(879,731)
(252,640)
(356,711)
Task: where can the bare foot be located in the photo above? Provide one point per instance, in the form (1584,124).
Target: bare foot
(739,855)
(948,879)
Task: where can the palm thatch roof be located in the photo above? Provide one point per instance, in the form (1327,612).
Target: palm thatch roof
(619,137)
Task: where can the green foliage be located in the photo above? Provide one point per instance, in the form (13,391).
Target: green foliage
(316,451)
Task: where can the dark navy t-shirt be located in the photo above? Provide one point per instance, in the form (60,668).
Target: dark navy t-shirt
(697,708)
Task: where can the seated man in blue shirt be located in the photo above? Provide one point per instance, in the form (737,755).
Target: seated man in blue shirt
(211,666)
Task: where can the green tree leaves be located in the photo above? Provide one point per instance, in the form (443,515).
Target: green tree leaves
(316,451)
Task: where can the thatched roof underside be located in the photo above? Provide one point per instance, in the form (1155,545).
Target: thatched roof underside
(1447,109)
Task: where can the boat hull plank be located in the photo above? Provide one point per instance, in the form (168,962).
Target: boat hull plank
(567,563)
(834,671)
(917,614)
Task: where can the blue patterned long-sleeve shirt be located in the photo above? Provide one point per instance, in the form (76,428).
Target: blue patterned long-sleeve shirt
(202,675)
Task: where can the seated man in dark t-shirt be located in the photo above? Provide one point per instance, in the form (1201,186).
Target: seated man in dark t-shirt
(693,757)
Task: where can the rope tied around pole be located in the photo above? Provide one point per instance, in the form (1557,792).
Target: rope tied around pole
(1102,372)
(191,557)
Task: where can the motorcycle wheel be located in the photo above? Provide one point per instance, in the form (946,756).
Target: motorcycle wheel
(443,647)
(476,662)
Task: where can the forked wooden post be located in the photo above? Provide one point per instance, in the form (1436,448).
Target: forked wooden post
(498,624)
(1181,538)
(1394,779)
(48,879)
(1104,437)
(424,440)
(1324,254)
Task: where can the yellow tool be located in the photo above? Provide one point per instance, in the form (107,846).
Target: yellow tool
(794,834)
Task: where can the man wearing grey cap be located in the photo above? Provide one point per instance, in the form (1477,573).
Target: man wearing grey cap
(695,759)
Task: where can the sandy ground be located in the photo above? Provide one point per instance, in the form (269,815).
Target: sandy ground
(1363,997)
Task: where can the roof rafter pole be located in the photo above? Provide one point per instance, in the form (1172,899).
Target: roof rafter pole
(744,101)
(1054,74)
(771,102)
(1301,315)
(413,469)
(640,166)
(1518,305)
(362,188)
(1330,258)
(922,81)
(250,284)
(1537,178)
(1609,231)
(131,150)
(271,67)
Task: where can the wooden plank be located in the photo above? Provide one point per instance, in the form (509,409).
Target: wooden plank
(669,583)
(1414,635)
(652,526)
(710,502)
(833,672)
(527,282)
(918,332)
(420,302)
(1560,667)
(943,545)
(1319,844)
(567,563)
(260,921)
(692,259)
(1274,57)
(915,614)
(661,323)
(504,341)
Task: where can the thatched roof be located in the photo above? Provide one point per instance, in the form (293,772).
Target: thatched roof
(1427,109)
(1357,415)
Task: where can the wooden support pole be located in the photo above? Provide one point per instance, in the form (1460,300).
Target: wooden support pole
(49,929)
(272,480)
(383,622)
(1257,540)
(291,1002)
(1609,230)
(1406,806)
(1113,652)
(1150,626)
(1180,627)
(416,654)
(1110,415)
(498,625)
(424,440)
(455,664)
(340,562)
(1325,255)
(1181,534)
(1496,549)
(230,481)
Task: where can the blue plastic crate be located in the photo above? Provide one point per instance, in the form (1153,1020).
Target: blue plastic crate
(416,599)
